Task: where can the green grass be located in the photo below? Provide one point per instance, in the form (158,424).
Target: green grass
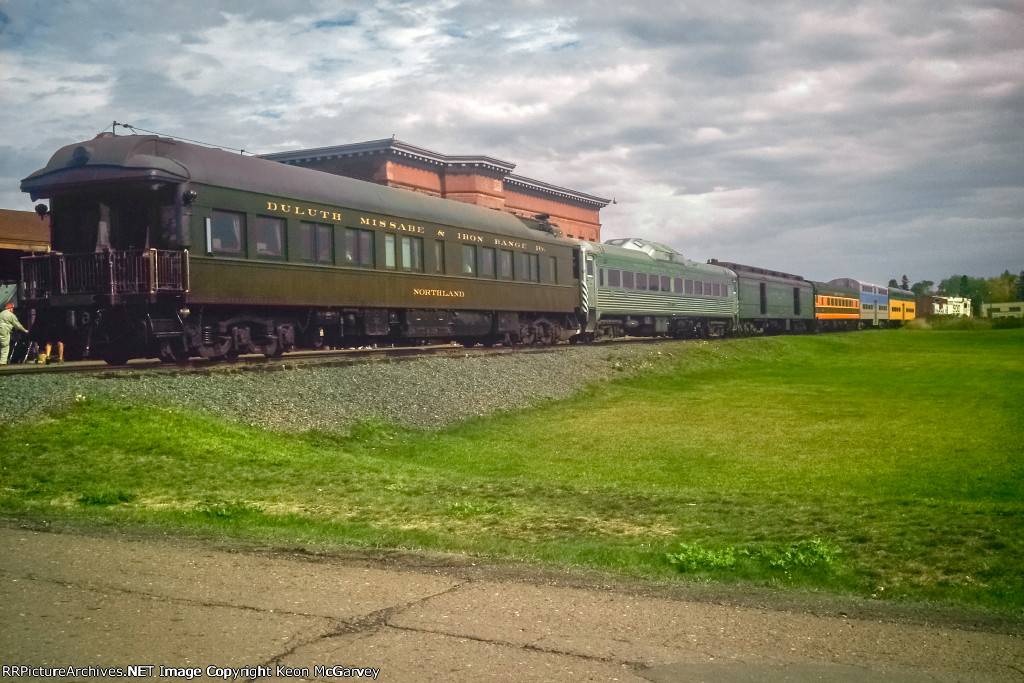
(881,464)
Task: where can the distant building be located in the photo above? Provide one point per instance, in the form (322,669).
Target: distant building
(1013,309)
(20,232)
(952,305)
(479,180)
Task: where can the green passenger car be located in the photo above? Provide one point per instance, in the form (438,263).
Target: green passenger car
(642,288)
(772,302)
(173,249)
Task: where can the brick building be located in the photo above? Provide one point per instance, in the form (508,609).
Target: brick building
(20,232)
(480,180)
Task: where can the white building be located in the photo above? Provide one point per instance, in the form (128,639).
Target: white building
(952,305)
(1013,309)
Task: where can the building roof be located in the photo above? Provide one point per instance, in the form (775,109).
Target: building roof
(23,231)
(150,158)
(399,150)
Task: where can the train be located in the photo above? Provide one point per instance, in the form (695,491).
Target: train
(166,249)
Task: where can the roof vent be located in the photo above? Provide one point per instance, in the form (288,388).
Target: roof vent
(81,155)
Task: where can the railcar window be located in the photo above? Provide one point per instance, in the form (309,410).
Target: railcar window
(641,280)
(468,259)
(487,257)
(439,256)
(359,247)
(689,287)
(505,264)
(389,251)
(627,279)
(590,266)
(666,283)
(268,235)
(529,267)
(224,232)
(764,298)
(614,278)
(412,253)
(324,243)
(796,301)
(600,277)
(677,285)
(316,242)
(653,283)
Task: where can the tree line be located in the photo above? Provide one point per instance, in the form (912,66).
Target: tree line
(980,290)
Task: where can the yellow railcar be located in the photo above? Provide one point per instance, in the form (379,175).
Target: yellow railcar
(902,306)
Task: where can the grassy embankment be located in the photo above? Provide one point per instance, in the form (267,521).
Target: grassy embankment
(886,464)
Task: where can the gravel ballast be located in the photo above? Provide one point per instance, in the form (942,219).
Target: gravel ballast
(426,393)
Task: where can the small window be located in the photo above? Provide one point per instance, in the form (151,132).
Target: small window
(677,285)
(224,232)
(689,287)
(590,266)
(468,259)
(439,256)
(487,257)
(389,251)
(796,301)
(641,281)
(666,283)
(627,279)
(698,287)
(504,264)
(359,247)
(529,269)
(533,261)
(614,278)
(725,290)
(412,253)
(652,283)
(600,277)
(316,242)
(268,235)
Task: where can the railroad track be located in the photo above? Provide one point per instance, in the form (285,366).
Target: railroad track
(256,363)
(291,360)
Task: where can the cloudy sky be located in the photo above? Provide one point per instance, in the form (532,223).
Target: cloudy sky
(830,138)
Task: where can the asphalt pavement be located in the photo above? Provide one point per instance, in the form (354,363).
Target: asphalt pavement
(94,606)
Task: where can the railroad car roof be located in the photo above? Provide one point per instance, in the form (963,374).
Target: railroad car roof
(109,158)
(640,257)
(860,286)
(901,294)
(835,289)
(757,272)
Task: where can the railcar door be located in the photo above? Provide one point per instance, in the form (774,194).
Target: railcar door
(590,299)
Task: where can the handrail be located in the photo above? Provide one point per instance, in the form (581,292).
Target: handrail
(111,273)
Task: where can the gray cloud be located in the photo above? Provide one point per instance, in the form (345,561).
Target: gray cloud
(829,139)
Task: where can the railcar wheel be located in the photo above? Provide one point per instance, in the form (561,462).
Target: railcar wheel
(173,351)
(115,356)
(546,336)
(527,335)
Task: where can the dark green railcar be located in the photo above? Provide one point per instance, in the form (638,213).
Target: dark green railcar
(772,302)
(167,248)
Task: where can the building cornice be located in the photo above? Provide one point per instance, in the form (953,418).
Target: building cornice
(403,151)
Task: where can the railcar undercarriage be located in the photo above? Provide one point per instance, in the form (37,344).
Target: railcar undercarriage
(118,305)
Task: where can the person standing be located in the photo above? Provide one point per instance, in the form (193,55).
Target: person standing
(8,322)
